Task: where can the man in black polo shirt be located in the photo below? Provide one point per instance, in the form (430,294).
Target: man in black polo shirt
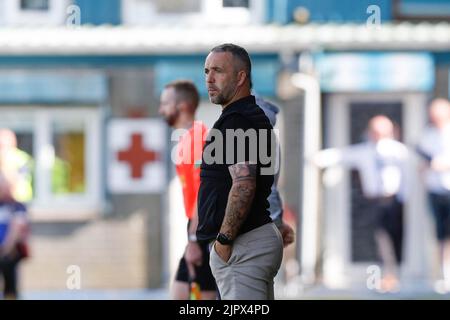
(236,177)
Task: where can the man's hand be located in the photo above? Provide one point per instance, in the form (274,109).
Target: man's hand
(193,256)
(224,252)
(287,233)
(440,164)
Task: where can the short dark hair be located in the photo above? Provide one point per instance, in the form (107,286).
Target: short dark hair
(185,90)
(239,53)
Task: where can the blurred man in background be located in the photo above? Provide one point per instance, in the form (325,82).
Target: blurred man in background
(381,162)
(434,147)
(178,104)
(275,203)
(17,161)
(13,221)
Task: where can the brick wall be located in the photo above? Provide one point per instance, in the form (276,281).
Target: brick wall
(112,253)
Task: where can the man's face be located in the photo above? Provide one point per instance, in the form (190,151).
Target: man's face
(221,77)
(439,112)
(168,106)
(7,139)
(380,128)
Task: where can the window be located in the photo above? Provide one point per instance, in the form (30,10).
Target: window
(192,12)
(64,145)
(34,12)
(235,3)
(235,12)
(34,4)
(68,171)
(178,6)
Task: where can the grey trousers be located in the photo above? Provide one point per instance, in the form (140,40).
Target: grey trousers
(254,262)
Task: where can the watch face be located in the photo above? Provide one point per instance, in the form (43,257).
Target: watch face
(223,239)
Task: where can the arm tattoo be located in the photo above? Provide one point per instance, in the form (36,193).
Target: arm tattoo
(240,197)
(243,171)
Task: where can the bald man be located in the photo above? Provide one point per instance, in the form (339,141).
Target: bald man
(381,162)
(434,147)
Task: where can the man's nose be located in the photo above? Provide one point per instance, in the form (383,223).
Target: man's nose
(209,78)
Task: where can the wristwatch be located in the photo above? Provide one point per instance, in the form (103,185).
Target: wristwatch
(223,239)
(192,237)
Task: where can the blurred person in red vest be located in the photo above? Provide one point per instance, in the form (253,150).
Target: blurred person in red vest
(178,104)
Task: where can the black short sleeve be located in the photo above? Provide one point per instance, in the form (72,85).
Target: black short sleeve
(240,140)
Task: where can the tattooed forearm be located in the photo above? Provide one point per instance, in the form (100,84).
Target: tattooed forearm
(240,198)
(242,171)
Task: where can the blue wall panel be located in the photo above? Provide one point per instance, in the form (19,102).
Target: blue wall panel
(331,10)
(376,71)
(22,87)
(99,12)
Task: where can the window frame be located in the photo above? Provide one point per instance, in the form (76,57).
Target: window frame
(14,15)
(45,204)
(211,12)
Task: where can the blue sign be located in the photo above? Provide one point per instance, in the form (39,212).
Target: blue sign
(379,72)
(431,8)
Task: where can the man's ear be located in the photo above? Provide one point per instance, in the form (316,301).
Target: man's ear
(182,106)
(242,76)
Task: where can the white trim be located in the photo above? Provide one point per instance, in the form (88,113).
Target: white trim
(336,199)
(93,147)
(310,190)
(419,232)
(190,39)
(43,150)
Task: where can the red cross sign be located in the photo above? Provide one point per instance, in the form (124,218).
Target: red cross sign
(137,156)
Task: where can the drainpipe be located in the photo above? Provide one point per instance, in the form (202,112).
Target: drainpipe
(309,194)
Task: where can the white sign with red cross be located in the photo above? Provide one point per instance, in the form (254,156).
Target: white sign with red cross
(137,149)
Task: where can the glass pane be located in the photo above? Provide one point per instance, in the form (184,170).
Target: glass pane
(235,3)
(22,156)
(178,6)
(68,173)
(34,4)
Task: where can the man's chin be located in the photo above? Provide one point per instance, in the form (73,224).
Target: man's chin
(170,121)
(215,100)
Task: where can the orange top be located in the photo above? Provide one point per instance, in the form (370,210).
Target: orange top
(189,153)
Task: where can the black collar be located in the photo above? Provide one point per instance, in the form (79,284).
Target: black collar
(239,104)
